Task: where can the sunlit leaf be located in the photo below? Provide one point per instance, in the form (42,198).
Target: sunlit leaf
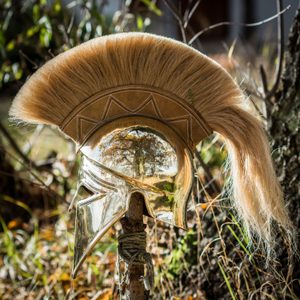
(57,6)
(17,71)
(152,7)
(47,234)
(139,23)
(45,37)
(10,46)
(65,277)
(98,30)
(45,32)
(14,223)
(32,31)
(36,12)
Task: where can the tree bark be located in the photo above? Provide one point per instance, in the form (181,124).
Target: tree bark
(284,125)
(284,128)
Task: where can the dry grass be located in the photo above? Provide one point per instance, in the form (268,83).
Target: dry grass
(211,261)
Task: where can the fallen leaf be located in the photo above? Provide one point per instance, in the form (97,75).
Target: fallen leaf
(15,223)
(64,277)
(47,234)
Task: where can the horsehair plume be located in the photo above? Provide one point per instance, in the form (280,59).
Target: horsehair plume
(138,58)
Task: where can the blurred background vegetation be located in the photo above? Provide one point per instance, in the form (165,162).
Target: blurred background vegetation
(38,166)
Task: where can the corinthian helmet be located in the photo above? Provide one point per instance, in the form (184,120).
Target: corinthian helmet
(137,105)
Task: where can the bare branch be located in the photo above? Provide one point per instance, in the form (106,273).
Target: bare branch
(264,79)
(15,146)
(30,170)
(186,12)
(35,66)
(197,35)
(189,14)
(27,162)
(37,184)
(208,174)
(258,110)
(178,17)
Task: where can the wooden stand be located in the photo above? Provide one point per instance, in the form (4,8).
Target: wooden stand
(133,222)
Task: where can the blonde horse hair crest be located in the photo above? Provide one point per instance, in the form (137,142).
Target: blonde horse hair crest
(171,69)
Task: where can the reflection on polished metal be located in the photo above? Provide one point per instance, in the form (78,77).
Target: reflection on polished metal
(132,138)
(132,158)
(151,160)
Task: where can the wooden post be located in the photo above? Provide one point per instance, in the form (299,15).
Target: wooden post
(133,222)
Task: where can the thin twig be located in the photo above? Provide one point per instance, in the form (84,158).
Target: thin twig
(178,17)
(268,94)
(37,131)
(15,146)
(42,183)
(208,174)
(257,109)
(251,92)
(70,26)
(264,81)
(35,66)
(189,14)
(37,184)
(26,161)
(197,35)
(187,11)
(280,50)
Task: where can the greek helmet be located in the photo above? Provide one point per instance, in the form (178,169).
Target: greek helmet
(137,105)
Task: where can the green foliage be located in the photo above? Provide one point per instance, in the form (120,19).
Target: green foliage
(152,7)
(26,35)
(212,153)
(32,31)
(180,259)
(216,257)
